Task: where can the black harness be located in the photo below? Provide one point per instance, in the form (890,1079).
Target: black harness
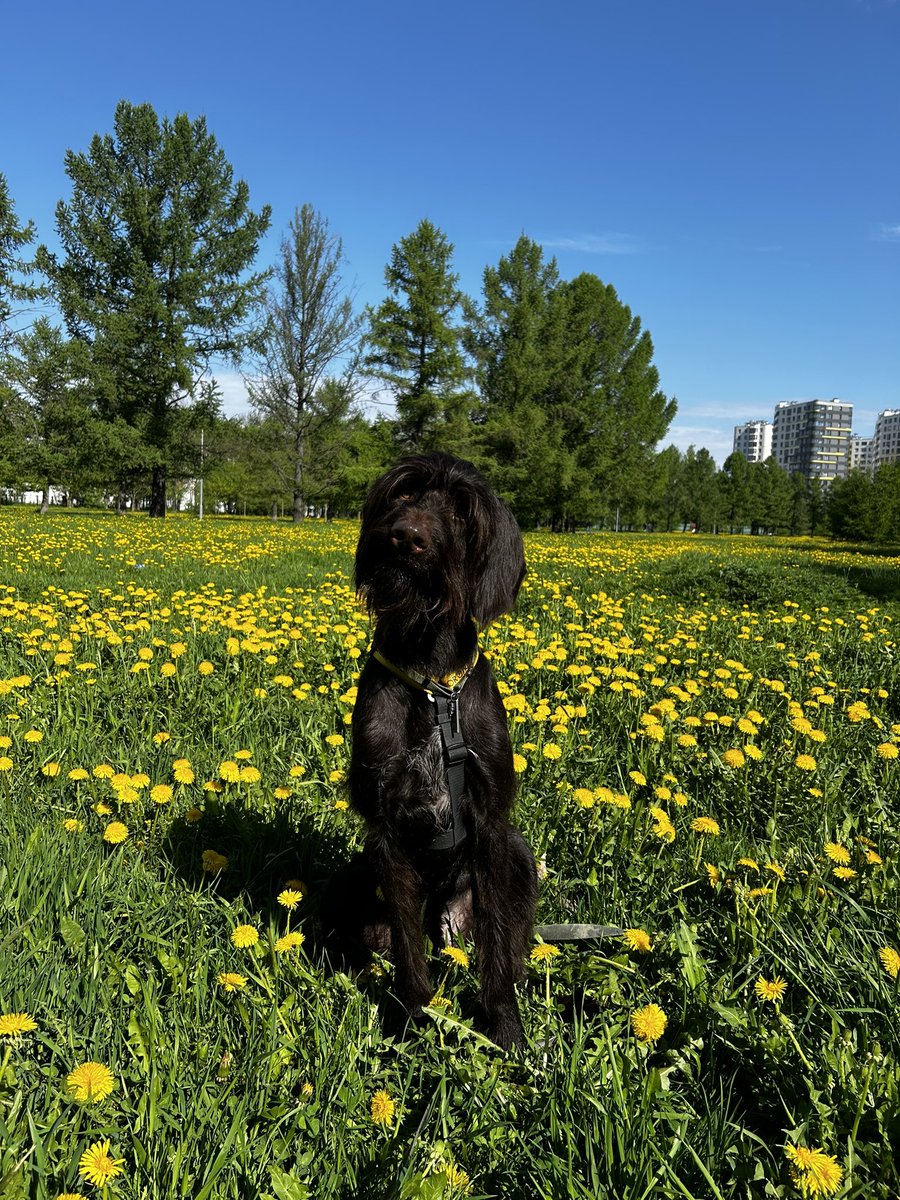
(445,701)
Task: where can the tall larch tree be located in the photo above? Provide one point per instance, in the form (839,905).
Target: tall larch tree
(157,241)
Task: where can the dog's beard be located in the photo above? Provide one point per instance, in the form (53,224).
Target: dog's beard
(406,594)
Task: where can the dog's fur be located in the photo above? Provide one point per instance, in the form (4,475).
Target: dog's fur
(438,554)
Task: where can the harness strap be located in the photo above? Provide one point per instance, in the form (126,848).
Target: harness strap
(453,745)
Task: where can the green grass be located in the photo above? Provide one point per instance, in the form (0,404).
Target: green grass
(115,950)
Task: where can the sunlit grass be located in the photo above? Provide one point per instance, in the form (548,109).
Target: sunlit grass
(707,738)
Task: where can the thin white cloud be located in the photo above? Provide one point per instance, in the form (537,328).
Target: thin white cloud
(596,243)
(887,233)
(716,441)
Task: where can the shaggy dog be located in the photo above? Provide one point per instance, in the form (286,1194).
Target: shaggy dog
(431,773)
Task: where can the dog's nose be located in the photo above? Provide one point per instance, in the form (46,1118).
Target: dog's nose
(409,536)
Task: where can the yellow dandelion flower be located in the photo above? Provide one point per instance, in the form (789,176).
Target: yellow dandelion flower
(805,762)
(890,960)
(244,936)
(98,1166)
(50,769)
(73,825)
(552,751)
(441,1003)
(649,1023)
(873,858)
(713,874)
(231,981)
(296,772)
(77,774)
(749,862)
(705,825)
(160,739)
(289,898)
(205,668)
(161,794)
(814,1172)
(250,775)
(183,771)
(734,758)
(638,778)
(776,870)
(6,763)
(103,771)
(753,752)
(34,736)
(584,797)
(91,1082)
(887,751)
(457,1178)
(383,1107)
(837,853)
(770,990)
(15,1024)
(760,891)
(520,763)
(844,873)
(115,833)
(290,941)
(213,862)
(281,793)
(193,815)
(637,939)
(456,955)
(229,771)
(543,952)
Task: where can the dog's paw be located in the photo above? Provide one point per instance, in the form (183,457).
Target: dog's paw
(505,1029)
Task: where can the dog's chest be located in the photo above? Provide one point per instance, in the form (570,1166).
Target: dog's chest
(416,781)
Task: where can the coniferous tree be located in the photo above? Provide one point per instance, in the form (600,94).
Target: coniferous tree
(157,240)
(50,433)
(414,344)
(15,271)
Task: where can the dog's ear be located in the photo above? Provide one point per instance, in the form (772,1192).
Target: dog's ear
(500,568)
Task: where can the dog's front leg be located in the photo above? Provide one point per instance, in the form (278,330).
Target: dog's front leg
(504,894)
(401,887)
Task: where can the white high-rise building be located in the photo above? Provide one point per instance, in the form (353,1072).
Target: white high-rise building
(887,438)
(754,440)
(860,453)
(812,437)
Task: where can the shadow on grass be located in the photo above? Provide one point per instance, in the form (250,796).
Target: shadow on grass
(267,850)
(878,583)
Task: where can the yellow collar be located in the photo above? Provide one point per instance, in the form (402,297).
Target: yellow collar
(453,681)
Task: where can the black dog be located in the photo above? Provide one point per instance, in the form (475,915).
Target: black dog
(431,771)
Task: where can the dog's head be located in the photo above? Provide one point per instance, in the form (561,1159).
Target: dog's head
(436,541)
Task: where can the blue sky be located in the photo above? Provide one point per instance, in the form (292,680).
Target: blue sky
(732,168)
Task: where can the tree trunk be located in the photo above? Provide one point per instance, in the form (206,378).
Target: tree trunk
(158,492)
(274,510)
(45,503)
(299,506)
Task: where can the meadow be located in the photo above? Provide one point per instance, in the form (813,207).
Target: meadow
(707,735)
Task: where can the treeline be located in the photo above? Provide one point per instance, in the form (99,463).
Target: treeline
(547,384)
